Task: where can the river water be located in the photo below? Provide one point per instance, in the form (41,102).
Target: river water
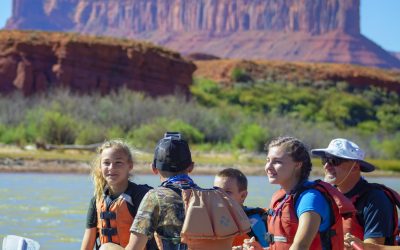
(51,208)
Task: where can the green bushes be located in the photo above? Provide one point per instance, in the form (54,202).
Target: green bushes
(147,135)
(243,115)
(57,128)
(251,137)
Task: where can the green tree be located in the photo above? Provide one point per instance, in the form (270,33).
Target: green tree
(389,117)
(251,137)
(345,110)
(57,128)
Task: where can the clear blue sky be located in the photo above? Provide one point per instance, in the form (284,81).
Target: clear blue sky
(378,21)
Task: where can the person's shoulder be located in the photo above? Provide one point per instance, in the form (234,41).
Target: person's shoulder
(308,187)
(375,194)
(312,192)
(140,189)
(140,186)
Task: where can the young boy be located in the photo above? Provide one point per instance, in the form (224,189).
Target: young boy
(234,183)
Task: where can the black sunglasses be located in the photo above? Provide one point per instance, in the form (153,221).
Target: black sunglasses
(333,161)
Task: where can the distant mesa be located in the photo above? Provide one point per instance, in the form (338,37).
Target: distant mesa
(287,30)
(396,54)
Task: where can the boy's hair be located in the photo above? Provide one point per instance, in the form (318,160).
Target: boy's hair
(167,174)
(97,176)
(241,179)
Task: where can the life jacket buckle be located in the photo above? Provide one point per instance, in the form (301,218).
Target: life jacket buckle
(270,212)
(269,238)
(109,231)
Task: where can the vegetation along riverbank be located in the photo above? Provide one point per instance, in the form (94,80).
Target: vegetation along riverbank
(226,120)
(17,160)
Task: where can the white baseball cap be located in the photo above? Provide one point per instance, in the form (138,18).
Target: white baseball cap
(345,149)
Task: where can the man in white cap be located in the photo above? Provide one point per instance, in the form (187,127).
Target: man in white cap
(343,162)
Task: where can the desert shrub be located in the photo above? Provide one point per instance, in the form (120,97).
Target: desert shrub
(13,135)
(346,110)
(368,127)
(190,133)
(206,91)
(240,75)
(389,117)
(115,132)
(391,147)
(147,135)
(13,108)
(251,137)
(89,133)
(57,128)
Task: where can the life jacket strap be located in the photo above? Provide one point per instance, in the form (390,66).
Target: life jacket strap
(109,231)
(108,215)
(270,212)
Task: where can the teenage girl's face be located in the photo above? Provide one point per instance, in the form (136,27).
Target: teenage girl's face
(115,166)
(281,169)
(230,186)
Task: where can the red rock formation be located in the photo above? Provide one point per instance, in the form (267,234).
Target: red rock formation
(33,61)
(290,30)
(135,16)
(318,74)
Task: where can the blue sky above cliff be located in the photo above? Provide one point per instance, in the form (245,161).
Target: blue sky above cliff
(378,21)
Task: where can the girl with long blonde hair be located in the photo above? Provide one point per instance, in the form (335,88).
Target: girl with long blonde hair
(116,199)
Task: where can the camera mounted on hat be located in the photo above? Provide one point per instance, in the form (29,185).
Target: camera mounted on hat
(172,153)
(175,135)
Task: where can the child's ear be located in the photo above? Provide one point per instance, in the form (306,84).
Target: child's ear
(154,169)
(190,168)
(243,196)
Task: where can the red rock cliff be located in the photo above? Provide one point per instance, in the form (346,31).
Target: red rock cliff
(35,61)
(291,30)
(135,16)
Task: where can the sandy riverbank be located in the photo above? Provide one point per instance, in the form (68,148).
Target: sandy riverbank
(8,165)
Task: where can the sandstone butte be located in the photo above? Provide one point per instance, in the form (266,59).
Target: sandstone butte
(38,61)
(287,30)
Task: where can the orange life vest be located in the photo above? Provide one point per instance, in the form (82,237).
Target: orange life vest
(356,228)
(282,225)
(114,222)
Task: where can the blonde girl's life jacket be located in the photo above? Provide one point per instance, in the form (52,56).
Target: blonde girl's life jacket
(115,216)
(283,222)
